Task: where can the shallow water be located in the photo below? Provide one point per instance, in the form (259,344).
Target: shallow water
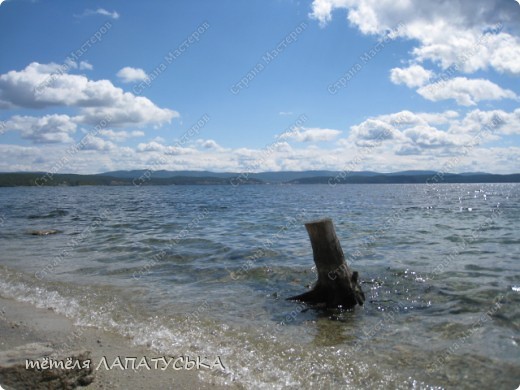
(204,270)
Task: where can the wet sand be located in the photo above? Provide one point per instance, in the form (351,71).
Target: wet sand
(21,324)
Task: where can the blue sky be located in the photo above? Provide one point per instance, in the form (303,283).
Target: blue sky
(88,87)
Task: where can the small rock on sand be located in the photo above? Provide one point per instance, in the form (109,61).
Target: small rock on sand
(15,375)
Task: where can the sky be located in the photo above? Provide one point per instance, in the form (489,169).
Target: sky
(261,85)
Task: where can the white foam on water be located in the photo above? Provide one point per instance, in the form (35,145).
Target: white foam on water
(261,359)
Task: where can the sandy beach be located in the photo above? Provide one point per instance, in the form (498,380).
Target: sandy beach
(22,324)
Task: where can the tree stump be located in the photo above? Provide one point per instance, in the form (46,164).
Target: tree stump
(337,285)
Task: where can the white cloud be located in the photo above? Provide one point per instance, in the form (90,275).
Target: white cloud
(46,129)
(413,141)
(466,92)
(102,156)
(373,131)
(130,75)
(58,129)
(408,118)
(104,12)
(505,54)
(438,118)
(462,32)
(502,123)
(511,121)
(322,9)
(311,135)
(161,140)
(160,150)
(120,136)
(153,146)
(46,85)
(425,136)
(97,143)
(413,76)
(208,144)
(100,11)
(85,65)
(434,134)
(128,110)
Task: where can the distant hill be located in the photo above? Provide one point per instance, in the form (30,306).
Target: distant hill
(323,177)
(42,179)
(144,177)
(288,176)
(396,178)
(268,177)
(162,174)
(409,173)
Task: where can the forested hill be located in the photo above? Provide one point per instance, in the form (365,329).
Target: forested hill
(144,177)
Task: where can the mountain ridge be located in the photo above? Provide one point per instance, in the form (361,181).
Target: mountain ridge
(141,177)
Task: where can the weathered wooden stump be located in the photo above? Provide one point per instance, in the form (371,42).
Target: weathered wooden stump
(337,285)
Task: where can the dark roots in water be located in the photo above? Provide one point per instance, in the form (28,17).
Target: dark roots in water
(337,285)
(338,293)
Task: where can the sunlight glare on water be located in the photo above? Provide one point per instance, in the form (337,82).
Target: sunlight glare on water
(206,270)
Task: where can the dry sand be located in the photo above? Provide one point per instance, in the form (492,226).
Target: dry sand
(21,324)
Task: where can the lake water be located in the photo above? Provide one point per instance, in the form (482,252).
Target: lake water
(205,270)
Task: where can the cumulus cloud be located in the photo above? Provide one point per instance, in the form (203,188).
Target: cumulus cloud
(407,133)
(128,109)
(97,143)
(373,131)
(469,33)
(425,136)
(502,122)
(413,76)
(131,75)
(399,141)
(119,136)
(408,118)
(58,129)
(208,144)
(466,92)
(311,135)
(157,148)
(322,9)
(46,129)
(47,85)
(152,146)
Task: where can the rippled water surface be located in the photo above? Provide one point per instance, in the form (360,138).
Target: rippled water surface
(204,270)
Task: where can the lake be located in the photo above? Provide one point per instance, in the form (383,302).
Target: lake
(205,270)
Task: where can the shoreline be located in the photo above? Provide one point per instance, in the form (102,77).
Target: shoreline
(22,324)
